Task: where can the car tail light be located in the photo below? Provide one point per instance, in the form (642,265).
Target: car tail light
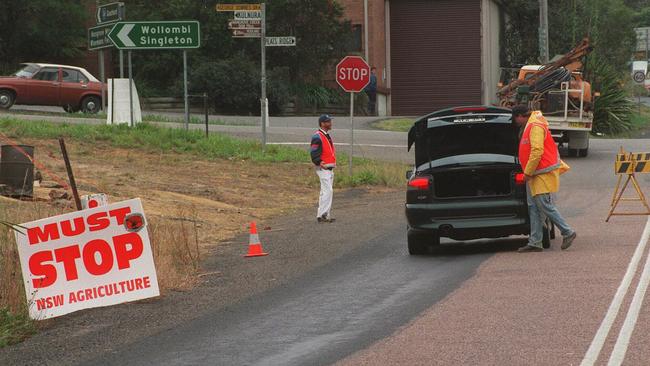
(520,178)
(470,109)
(420,183)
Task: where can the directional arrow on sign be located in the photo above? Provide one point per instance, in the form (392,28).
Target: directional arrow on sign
(123,35)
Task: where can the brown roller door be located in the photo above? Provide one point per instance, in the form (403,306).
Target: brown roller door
(435,54)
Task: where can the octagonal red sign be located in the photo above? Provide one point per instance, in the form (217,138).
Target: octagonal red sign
(352,74)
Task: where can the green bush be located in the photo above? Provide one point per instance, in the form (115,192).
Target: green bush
(233,85)
(613,108)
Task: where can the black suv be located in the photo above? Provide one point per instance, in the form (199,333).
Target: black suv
(467,182)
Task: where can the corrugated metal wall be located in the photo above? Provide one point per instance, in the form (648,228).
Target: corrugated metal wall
(435,54)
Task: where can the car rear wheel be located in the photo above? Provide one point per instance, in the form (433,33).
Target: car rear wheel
(420,242)
(572,152)
(6,99)
(583,152)
(70,109)
(91,105)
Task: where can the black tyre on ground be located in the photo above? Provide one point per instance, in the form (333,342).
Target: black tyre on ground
(7,99)
(91,104)
(546,238)
(572,152)
(421,242)
(583,152)
(70,109)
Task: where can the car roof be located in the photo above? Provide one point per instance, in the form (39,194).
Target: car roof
(80,69)
(40,64)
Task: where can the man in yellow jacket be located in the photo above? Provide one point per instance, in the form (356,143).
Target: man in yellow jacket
(540,161)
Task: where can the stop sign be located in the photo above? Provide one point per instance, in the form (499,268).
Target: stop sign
(353,74)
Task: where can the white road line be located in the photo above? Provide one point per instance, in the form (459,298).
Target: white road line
(623,341)
(601,335)
(338,143)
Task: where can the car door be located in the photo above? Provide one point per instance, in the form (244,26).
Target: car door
(73,85)
(43,88)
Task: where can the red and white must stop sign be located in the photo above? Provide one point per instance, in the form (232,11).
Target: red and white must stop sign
(353,74)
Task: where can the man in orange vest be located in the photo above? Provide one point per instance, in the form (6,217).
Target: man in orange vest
(323,155)
(540,161)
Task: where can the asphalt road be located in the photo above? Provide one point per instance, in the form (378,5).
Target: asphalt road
(291,131)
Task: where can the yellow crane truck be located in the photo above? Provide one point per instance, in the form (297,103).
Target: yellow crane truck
(560,92)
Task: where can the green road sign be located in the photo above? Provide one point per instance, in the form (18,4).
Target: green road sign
(110,13)
(98,37)
(156,35)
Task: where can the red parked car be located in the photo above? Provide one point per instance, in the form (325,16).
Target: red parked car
(70,87)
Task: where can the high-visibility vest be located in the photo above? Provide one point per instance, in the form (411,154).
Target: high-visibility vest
(551,157)
(328,154)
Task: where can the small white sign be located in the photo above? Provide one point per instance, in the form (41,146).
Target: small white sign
(280,41)
(93,200)
(247,33)
(245,15)
(245,24)
(86,259)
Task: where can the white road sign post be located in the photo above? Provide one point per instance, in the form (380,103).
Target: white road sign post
(250,22)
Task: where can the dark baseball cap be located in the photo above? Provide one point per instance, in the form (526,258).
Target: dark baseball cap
(324,118)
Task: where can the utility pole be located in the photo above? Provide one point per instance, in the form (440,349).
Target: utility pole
(543,31)
(366,46)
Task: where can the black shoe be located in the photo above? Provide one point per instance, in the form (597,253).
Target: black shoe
(321,220)
(568,240)
(529,248)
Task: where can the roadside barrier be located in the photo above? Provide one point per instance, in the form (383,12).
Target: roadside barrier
(629,164)
(254,245)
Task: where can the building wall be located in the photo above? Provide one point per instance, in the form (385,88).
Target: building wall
(490,37)
(436,57)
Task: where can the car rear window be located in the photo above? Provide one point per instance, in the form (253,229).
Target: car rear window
(47,74)
(73,76)
(466,138)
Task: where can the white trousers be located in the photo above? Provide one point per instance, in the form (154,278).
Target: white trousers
(326,191)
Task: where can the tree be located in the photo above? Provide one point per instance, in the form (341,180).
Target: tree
(41,30)
(322,36)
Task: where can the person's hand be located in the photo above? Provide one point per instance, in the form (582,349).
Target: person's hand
(528,178)
(322,164)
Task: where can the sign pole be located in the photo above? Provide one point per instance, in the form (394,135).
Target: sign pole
(102,77)
(187,106)
(263,99)
(121,64)
(130,89)
(351,131)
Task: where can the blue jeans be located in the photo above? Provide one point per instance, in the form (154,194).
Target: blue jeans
(540,207)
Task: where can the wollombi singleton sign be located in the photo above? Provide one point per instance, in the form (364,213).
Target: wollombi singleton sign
(156,35)
(86,259)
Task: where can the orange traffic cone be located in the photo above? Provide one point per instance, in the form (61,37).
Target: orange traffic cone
(254,245)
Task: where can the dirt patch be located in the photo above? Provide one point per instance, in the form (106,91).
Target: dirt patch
(192,204)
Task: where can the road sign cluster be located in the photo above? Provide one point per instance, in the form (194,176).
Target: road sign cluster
(247,23)
(107,16)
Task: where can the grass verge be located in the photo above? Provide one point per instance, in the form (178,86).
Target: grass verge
(395,125)
(216,146)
